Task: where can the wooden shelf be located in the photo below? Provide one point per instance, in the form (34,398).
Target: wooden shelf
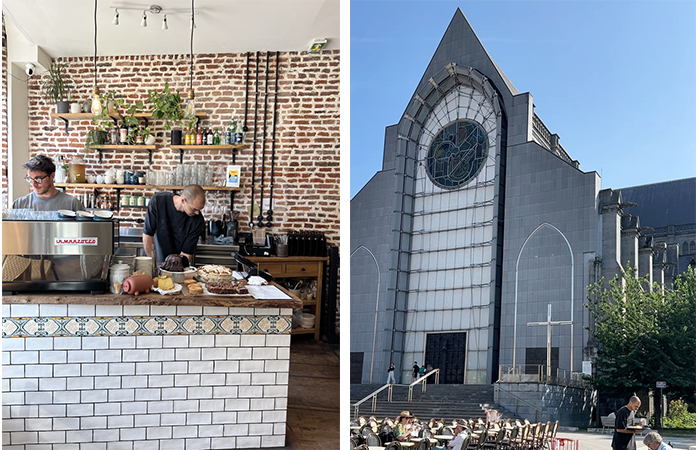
(181,148)
(67,117)
(204,147)
(132,147)
(141,186)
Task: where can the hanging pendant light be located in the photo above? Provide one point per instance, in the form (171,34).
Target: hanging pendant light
(115,21)
(96,101)
(164,23)
(191,104)
(143,22)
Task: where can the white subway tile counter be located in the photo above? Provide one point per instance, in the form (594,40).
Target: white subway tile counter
(182,376)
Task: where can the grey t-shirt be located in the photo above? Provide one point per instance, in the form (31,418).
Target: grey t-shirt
(60,200)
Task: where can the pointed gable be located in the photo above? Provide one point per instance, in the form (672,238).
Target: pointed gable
(461,45)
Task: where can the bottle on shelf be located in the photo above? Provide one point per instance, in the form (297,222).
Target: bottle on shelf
(199,136)
(187,137)
(123,132)
(238,135)
(113,135)
(61,170)
(139,136)
(131,134)
(229,133)
(216,137)
(210,137)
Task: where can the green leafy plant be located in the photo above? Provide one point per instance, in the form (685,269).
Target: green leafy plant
(679,416)
(166,105)
(146,132)
(114,107)
(93,138)
(56,86)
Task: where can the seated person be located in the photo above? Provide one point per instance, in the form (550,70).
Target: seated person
(40,175)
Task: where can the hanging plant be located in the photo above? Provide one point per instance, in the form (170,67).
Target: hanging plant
(166,105)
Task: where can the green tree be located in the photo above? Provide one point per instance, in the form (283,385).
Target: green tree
(645,336)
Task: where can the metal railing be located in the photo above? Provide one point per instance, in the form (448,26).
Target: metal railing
(499,392)
(423,382)
(373,397)
(538,373)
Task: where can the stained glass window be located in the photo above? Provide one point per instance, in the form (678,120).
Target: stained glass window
(457,154)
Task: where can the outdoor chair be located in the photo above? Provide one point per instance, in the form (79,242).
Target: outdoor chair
(372,440)
(395,445)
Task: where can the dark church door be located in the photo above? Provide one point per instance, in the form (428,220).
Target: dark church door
(447,352)
(535,360)
(356,367)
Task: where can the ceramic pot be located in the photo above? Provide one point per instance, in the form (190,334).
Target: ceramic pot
(150,140)
(87,106)
(62,107)
(139,284)
(75,108)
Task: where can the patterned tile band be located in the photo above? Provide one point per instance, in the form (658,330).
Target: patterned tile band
(143,326)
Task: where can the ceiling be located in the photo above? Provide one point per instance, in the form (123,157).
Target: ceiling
(66,27)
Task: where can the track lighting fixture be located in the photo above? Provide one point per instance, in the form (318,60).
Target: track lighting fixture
(152,9)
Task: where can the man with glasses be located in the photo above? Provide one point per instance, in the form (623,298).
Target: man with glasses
(174,222)
(40,174)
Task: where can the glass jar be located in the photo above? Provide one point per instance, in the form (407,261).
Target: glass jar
(125,200)
(118,273)
(76,171)
(132,200)
(141,201)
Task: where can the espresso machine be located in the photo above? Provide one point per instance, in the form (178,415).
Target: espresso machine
(56,255)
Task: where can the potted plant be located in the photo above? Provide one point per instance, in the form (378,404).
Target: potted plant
(148,138)
(127,113)
(166,105)
(56,86)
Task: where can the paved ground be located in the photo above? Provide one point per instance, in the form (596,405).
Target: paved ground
(599,441)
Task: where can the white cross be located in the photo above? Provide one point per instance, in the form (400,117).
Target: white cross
(548,325)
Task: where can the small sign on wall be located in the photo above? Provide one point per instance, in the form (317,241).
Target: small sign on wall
(233,175)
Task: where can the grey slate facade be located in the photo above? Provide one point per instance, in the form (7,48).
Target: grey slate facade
(465,263)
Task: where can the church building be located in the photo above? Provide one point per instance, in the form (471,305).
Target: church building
(481,233)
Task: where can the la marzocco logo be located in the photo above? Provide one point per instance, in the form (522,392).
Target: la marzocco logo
(76,241)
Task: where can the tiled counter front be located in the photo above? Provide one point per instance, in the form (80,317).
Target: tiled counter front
(120,377)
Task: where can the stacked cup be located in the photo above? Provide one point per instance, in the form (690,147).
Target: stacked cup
(144,264)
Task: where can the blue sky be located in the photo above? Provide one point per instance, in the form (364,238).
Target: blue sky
(616,80)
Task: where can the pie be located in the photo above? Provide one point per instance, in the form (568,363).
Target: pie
(212,273)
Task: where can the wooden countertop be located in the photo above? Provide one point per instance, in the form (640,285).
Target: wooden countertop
(84,298)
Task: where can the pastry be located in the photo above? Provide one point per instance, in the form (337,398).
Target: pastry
(165,283)
(212,273)
(195,289)
(189,281)
(173,263)
(227,287)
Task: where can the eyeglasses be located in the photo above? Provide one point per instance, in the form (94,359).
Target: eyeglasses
(36,180)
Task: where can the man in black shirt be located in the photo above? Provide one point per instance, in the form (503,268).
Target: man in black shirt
(623,437)
(174,222)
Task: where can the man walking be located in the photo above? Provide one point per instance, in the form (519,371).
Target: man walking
(623,437)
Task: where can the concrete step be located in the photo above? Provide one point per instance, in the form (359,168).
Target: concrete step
(448,401)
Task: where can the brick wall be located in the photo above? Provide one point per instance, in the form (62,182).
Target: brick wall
(307,177)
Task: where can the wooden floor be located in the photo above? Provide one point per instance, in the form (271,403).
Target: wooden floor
(313,395)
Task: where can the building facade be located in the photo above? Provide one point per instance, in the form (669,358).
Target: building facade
(479,230)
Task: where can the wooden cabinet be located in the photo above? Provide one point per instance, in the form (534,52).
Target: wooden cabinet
(299,267)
